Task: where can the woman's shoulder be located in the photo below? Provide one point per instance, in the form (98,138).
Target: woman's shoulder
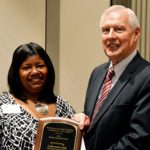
(64,108)
(60,99)
(4,94)
(61,102)
(5,97)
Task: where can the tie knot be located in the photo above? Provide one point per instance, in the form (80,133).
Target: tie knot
(110,73)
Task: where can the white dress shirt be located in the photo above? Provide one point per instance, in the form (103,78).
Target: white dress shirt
(120,67)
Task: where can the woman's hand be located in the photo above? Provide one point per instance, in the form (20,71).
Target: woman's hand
(82,119)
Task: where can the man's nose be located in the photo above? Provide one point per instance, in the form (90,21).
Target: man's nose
(112,33)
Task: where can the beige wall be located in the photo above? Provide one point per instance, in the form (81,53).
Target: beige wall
(79,46)
(76,49)
(72,39)
(20,22)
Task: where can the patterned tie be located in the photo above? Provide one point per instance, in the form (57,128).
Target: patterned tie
(105,90)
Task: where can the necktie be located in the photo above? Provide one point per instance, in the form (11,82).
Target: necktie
(104,92)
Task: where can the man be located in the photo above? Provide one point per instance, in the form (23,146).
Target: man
(122,119)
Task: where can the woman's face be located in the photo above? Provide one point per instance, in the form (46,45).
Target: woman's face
(33,74)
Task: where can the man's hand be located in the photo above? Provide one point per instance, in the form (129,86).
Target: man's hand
(82,119)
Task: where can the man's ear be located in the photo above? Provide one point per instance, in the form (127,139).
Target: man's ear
(137,33)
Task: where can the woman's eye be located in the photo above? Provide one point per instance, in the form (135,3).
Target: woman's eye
(26,67)
(40,65)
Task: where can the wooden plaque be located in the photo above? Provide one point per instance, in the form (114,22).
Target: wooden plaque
(55,133)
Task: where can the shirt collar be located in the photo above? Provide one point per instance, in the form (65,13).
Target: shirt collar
(120,67)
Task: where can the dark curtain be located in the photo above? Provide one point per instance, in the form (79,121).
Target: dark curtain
(126,3)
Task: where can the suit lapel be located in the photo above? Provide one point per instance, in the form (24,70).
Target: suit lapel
(123,80)
(111,97)
(96,87)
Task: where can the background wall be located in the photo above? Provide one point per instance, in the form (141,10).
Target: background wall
(20,22)
(69,30)
(71,38)
(73,42)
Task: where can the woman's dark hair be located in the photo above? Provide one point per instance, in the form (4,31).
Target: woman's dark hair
(19,56)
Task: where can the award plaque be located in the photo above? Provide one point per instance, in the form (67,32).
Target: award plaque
(55,133)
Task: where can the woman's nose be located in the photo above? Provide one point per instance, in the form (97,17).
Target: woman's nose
(34,70)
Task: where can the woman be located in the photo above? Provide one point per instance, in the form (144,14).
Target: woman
(31,81)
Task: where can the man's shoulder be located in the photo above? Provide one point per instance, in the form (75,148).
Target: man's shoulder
(103,66)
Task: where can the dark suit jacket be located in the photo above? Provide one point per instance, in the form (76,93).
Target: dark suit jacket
(123,121)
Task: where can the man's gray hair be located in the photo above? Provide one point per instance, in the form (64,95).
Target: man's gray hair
(133,20)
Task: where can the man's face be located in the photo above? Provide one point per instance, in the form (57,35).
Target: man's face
(118,38)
